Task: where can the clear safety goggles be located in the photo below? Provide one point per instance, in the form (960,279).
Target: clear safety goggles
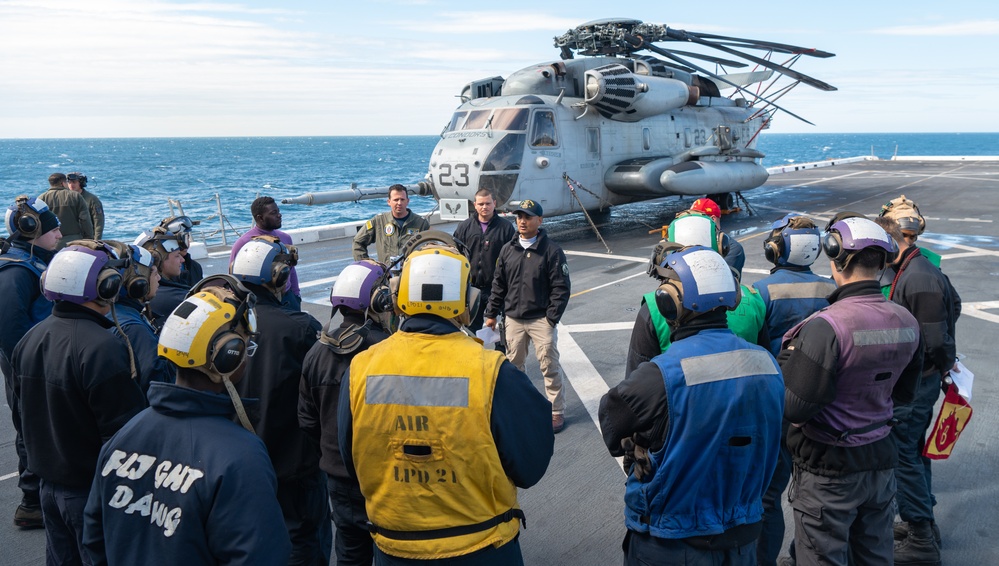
(170,243)
(180,226)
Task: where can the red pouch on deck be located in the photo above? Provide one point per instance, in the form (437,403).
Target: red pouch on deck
(954,415)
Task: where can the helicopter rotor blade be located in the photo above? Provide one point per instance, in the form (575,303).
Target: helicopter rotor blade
(681,35)
(666,53)
(711,59)
(766,45)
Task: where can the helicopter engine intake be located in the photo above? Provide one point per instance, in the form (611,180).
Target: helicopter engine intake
(618,94)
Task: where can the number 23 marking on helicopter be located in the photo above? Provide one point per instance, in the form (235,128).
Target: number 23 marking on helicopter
(460,175)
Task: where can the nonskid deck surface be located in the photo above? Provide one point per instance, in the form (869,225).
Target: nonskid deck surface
(575,514)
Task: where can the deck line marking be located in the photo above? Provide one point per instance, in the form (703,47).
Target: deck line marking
(975,310)
(586,380)
(599,326)
(849,206)
(609,256)
(960,246)
(317,282)
(9,476)
(573,296)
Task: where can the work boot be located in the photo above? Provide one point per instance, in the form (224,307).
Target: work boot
(900,530)
(28,516)
(919,548)
(558,423)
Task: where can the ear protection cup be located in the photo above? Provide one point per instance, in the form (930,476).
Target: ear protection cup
(227,353)
(29,224)
(280,272)
(832,245)
(381,300)
(773,247)
(137,288)
(669,301)
(723,243)
(108,284)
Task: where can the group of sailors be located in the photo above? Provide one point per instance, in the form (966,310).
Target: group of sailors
(166,416)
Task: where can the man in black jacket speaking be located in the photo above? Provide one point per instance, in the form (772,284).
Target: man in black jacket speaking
(531,286)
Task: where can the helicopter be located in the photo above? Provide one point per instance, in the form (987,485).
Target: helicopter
(627,120)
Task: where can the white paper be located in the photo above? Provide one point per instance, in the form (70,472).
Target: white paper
(487,335)
(963,379)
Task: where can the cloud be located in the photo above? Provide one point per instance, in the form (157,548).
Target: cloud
(979,28)
(486,22)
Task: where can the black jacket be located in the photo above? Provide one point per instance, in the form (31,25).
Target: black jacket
(319,391)
(483,248)
(272,375)
(530,283)
(73,383)
(171,293)
(926,292)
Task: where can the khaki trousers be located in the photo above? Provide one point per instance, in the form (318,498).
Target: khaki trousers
(520,333)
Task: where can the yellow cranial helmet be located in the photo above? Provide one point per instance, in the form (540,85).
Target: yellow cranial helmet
(434,281)
(208,333)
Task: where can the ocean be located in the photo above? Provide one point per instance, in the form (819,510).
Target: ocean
(136,177)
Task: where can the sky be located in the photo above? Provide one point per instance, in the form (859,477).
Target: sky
(165,68)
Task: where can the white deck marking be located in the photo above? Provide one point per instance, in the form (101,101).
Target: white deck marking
(9,476)
(976,310)
(598,326)
(977,251)
(609,256)
(574,295)
(317,282)
(584,378)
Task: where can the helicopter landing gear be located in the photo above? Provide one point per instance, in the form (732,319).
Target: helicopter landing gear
(726,201)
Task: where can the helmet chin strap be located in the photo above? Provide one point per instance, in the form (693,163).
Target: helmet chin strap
(240,411)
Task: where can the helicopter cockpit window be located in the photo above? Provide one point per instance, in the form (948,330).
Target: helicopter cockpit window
(457,121)
(477,120)
(543,130)
(510,119)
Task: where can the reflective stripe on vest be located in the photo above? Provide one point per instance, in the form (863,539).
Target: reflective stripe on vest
(433,483)
(810,290)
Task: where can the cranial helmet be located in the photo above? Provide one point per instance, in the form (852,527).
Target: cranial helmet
(135,278)
(697,280)
(83,271)
(906,213)
(360,285)
(794,240)
(697,229)
(657,262)
(29,218)
(265,261)
(437,281)
(161,242)
(212,332)
(846,237)
(180,226)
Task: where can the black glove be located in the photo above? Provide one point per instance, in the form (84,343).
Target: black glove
(636,458)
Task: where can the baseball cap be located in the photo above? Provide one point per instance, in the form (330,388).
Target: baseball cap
(707,206)
(530,208)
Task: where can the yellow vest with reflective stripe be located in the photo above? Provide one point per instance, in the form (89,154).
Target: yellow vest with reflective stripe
(422,444)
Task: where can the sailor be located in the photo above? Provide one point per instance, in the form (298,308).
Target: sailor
(362,297)
(439,431)
(531,287)
(287,334)
(267,222)
(73,382)
(919,286)
(389,230)
(169,250)
(78,184)
(181,483)
(34,233)
(651,334)
(704,412)
(483,235)
(140,283)
(790,294)
(183,226)
(70,207)
(845,367)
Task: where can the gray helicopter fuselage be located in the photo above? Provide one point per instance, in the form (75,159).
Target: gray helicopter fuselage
(549,123)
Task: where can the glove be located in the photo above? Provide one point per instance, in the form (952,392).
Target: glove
(636,458)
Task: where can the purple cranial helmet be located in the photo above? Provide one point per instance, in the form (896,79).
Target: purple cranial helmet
(356,285)
(85,271)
